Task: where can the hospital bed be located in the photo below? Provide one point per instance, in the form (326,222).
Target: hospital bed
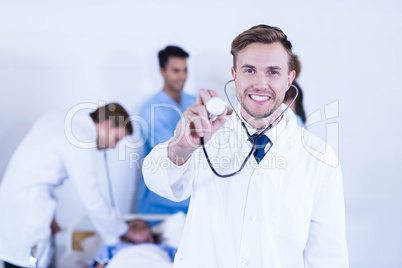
(82,242)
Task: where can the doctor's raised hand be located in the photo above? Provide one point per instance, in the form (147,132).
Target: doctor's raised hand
(194,124)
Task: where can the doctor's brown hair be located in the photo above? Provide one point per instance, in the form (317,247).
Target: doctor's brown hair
(263,34)
(116,114)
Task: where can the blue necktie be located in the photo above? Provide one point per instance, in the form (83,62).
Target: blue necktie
(260,144)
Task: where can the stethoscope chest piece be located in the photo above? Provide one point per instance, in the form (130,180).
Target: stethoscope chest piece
(216,106)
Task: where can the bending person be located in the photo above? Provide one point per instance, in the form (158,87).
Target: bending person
(42,162)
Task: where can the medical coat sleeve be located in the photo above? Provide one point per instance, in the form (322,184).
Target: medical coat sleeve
(81,169)
(326,245)
(165,178)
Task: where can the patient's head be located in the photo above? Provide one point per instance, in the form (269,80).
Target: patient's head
(142,232)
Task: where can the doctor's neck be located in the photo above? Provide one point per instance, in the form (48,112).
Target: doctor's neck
(260,122)
(174,94)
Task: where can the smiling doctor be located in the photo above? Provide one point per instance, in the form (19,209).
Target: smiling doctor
(45,158)
(287,213)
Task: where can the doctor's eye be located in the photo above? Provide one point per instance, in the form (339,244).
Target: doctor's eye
(249,71)
(273,72)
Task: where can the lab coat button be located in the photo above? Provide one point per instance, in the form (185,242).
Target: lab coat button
(253,218)
(244,263)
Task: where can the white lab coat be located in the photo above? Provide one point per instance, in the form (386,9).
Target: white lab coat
(43,160)
(287,212)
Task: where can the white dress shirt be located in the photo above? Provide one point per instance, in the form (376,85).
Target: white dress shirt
(42,161)
(286,212)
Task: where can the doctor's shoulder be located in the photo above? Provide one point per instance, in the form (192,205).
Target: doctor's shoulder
(48,122)
(317,148)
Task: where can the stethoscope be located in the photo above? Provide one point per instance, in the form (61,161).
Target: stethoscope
(217,106)
(35,256)
(109,181)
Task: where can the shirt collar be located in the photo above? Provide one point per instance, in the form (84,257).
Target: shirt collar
(167,98)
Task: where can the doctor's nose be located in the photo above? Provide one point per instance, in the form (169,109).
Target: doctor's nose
(183,75)
(261,81)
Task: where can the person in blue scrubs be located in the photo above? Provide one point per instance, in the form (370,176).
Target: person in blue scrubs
(162,113)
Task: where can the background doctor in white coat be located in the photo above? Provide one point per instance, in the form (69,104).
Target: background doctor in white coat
(56,148)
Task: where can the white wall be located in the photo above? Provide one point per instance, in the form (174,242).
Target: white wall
(58,54)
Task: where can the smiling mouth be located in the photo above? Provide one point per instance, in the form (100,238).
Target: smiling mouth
(259,98)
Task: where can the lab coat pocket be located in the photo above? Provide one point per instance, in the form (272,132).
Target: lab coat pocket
(291,215)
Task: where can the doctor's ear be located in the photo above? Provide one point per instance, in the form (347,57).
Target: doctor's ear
(105,125)
(234,75)
(291,78)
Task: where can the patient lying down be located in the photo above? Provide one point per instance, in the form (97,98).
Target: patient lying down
(143,235)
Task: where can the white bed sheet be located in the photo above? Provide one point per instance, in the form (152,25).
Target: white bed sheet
(171,229)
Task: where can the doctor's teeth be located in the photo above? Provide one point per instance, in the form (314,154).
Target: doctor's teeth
(259,98)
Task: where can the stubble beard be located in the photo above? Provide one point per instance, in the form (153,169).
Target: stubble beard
(262,114)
